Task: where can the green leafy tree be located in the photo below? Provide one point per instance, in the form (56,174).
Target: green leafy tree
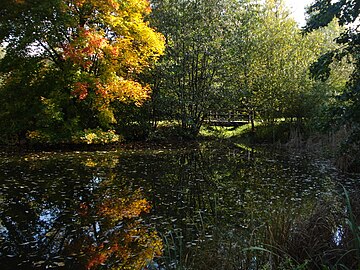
(188,78)
(321,13)
(271,64)
(347,108)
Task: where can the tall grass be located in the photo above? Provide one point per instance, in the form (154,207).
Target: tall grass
(351,221)
(328,238)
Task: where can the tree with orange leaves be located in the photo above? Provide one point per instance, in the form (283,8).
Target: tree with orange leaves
(69,61)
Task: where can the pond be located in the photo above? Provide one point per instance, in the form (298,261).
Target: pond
(201,206)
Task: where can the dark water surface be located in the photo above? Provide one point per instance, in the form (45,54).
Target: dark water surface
(195,207)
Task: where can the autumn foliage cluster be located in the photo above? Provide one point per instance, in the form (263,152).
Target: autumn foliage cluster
(70,62)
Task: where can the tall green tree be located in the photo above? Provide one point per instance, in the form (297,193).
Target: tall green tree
(272,59)
(189,75)
(346,111)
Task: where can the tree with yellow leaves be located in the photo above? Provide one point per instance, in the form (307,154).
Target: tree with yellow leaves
(68,61)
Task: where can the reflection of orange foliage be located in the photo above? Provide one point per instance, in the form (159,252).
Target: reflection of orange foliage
(83,209)
(129,246)
(118,208)
(100,256)
(138,247)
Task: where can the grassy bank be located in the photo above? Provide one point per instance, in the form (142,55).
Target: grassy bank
(336,144)
(278,132)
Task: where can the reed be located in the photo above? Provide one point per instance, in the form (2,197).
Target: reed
(327,239)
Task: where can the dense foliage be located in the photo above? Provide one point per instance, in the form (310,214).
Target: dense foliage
(68,62)
(250,57)
(345,111)
(82,71)
(189,77)
(270,64)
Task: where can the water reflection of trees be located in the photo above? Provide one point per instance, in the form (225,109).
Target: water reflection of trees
(208,204)
(214,203)
(184,194)
(52,217)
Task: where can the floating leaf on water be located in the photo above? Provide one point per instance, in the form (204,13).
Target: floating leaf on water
(38,263)
(60,264)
